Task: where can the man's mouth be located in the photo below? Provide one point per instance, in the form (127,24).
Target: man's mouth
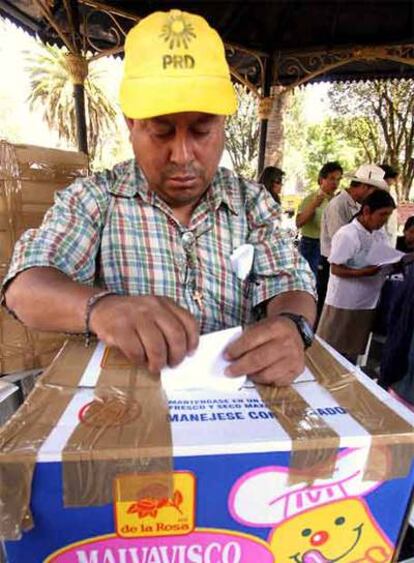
(182,180)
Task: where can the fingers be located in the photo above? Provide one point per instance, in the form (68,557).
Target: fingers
(151,331)
(187,321)
(251,338)
(270,352)
(281,374)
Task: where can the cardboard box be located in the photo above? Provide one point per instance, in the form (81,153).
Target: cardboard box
(29,178)
(9,400)
(250,482)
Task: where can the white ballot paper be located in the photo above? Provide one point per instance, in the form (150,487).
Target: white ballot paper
(382,254)
(205,368)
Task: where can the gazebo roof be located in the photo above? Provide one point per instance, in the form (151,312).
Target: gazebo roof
(299,40)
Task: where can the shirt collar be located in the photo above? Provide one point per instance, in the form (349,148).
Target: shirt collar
(127,180)
(224,190)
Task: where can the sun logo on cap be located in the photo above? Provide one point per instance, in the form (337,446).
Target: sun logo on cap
(177,32)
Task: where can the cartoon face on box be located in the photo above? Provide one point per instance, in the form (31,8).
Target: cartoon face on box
(342,531)
(327,521)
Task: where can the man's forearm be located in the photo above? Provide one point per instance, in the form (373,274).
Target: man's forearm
(298,302)
(46,299)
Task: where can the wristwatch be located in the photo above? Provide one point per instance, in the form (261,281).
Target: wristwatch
(304,328)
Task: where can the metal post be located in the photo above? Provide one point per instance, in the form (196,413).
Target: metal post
(263,122)
(78,89)
(81,131)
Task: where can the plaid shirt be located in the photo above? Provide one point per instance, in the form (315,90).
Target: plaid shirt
(111,230)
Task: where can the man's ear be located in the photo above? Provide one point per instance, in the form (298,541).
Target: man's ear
(129,121)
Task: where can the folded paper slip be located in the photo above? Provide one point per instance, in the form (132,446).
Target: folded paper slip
(122,469)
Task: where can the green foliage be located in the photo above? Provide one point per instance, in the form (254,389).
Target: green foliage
(309,146)
(52,94)
(379,117)
(242,134)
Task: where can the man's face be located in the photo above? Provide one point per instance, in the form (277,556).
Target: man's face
(362,192)
(178,154)
(409,237)
(330,184)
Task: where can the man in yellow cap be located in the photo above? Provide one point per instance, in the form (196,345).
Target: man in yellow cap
(143,255)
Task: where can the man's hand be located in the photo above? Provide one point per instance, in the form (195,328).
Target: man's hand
(151,331)
(269,352)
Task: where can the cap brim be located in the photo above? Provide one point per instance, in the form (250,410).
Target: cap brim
(142,98)
(368,181)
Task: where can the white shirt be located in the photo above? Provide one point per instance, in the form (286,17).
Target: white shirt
(350,247)
(337,213)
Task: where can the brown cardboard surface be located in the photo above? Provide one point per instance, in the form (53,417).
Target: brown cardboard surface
(29,177)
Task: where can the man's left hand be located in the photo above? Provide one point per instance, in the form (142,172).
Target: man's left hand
(270,352)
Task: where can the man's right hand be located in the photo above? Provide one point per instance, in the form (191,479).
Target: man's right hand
(151,331)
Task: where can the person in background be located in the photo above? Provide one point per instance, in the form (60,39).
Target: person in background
(310,211)
(340,211)
(391,177)
(397,359)
(272,179)
(405,243)
(355,284)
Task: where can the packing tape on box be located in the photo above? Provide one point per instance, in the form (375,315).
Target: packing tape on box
(314,443)
(392,437)
(127,423)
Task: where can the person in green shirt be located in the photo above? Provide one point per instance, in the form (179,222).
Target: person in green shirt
(310,212)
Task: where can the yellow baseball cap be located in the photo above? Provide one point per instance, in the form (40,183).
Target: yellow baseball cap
(175,62)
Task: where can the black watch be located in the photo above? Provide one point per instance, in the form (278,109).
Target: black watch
(304,328)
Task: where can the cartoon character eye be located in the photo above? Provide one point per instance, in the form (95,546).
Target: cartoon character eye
(306,532)
(339,521)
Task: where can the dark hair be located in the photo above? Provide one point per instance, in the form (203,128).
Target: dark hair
(269,175)
(378,199)
(390,172)
(329,167)
(409,223)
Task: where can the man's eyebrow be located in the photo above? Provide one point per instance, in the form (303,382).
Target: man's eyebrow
(159,120)
(207,118)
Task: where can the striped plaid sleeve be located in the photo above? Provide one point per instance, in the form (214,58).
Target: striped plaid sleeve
(278,267)
(68,238)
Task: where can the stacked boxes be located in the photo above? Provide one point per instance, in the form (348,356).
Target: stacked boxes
(29,177)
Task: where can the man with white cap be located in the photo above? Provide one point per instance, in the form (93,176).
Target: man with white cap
(140,255)
(340,211)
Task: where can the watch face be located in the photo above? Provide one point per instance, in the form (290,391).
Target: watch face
(307,333)
(304,328)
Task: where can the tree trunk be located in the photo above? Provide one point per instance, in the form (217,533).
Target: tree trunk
(275,128)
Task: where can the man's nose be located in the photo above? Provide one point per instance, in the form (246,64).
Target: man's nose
(181,148)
